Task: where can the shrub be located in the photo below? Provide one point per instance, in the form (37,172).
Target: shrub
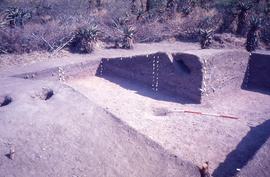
(16,16)
(206,37)
(128,37)
(252,36)
(84,39)
(243,8)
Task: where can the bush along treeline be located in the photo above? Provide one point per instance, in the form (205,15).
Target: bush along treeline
(77,25)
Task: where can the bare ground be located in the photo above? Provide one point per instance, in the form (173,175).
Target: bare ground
(192,137)
(68,135)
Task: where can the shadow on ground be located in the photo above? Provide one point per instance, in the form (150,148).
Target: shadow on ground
(244,151)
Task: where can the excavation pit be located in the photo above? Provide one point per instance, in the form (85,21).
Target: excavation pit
(5,100)
(46,94)
(257,77)
(195,76)
(151,94)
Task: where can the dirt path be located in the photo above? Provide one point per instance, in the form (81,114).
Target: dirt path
(192,137)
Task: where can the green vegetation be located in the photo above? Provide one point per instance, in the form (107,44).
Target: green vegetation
(28,25)
(84,39)
(128,35)
(206,37)
(252,36)
(16,17)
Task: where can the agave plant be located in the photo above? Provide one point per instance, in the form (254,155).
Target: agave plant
(171,5)
(84,39)
(267,8)
(155,4)
(120,21)
(186,10)
(206,37)
(243,8)
(16,16)
(128,35)
(2,24)
(252,36)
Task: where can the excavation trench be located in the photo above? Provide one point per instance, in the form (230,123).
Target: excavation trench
(179,76)
(69,135)
(144,91)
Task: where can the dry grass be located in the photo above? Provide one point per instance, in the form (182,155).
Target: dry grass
(53,22)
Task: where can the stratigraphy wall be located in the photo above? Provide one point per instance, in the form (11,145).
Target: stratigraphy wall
(180,75)
(258,71)
(197,75)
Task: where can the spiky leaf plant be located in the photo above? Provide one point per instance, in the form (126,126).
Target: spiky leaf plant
(128,37)
(186,10)
(2,24)
(85,39)
(16,16)
(242,8)
(252,36)
(120,21)
(267,8)
(206,37)
(171,5)
(154,4)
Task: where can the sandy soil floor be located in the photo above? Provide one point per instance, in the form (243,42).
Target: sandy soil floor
(66,135)
(192,137)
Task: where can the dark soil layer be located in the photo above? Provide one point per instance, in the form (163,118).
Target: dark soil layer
(181,77)
(258,72)
(194,75)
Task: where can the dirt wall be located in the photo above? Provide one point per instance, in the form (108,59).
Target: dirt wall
(258,72)
(223,71)
(193,76)
(63,73)
(178,75)
(197,75)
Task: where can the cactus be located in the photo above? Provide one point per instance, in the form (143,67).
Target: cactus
(252,36)
(128,35)
(16,16)
(120,21)
(267,8)
(243,8)
(84,39)
(2,24)
(171,5)
(206,37)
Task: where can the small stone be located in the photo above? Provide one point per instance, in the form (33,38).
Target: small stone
(12,152)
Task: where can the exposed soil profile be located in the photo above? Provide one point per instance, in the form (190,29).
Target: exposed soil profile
(157,114)
(181,76)
(195,75)
(257,75)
